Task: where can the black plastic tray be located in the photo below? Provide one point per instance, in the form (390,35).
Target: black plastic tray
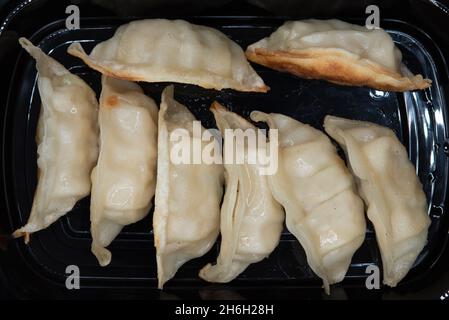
(419,118)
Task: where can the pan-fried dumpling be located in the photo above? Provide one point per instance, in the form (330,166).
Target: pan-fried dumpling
(389,186)
(317,191)
(67,138)
(251,219)
(124,179)
(188,192)
(336,51)
(159,50)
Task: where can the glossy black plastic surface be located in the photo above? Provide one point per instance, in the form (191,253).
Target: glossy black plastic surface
(418,118)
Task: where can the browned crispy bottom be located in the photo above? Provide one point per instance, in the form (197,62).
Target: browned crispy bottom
(338,67)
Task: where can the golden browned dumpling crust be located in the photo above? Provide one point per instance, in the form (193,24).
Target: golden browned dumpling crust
(337,52)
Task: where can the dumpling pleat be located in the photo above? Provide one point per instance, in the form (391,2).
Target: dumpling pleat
(248,208)
(187,205)
(338,52)
(322,210)
(67,138)
(387,181)
(124,180)
(159,50)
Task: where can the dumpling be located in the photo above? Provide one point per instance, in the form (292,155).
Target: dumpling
(251,219)
(67,138)
(188,192)
(124,180)
(390,188)
(317,191)
(336,51)
(159,50)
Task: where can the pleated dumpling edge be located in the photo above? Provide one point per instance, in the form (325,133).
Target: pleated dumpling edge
(387,182)
(338,52)
(188,195)
(160,50)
